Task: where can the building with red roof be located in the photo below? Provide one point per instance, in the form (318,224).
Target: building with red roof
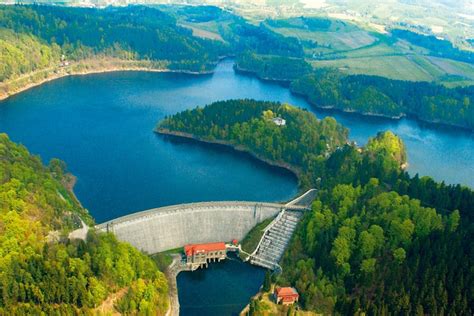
(198,255)
(286,295)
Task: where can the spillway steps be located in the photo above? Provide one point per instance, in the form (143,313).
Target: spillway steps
(275,240)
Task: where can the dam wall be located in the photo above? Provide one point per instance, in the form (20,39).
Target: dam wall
(171,227)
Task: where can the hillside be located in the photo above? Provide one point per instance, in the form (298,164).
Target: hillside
(37,42)
(376,240)
(371,95)
(41,270)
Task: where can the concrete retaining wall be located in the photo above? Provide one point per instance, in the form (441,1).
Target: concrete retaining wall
(174,226)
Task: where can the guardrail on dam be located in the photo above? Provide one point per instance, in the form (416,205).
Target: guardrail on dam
(174,226)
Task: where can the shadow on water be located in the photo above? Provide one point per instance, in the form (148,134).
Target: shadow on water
(191,144)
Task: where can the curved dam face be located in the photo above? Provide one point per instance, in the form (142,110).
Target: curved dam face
(171,227)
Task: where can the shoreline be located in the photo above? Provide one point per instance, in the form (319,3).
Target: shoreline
(252,73)
(412,116)
(59,73)
(122,66)
(351,111)
(295,171)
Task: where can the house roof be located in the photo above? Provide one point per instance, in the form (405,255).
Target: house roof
(286,291)
(289,299)
(197,248)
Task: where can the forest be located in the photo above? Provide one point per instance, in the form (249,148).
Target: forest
(366,94)
(376,241)
(41,270)
(276,68)
(53,33)
(39,37)
(394,98)
(248,124)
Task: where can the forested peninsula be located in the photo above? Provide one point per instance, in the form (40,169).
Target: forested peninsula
(376,239)
(368,95)
(42,270)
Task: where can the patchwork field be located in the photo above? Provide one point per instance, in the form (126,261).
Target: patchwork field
(405,67)
(332,34)
(203,31)
(394,67)
(347,45)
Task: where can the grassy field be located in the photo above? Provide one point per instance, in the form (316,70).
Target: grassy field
(204,30)
(353,49)
(164,259)
(350,46)
(405,67)
(394,67)
(269,307)
(336,37)
(250,242)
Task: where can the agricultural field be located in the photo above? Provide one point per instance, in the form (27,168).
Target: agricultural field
(393,67)
(354,49)
(405,67)
(205,22)
(330,35)
(207,30)
(351,47)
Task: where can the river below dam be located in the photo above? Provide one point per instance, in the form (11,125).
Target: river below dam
(101,125)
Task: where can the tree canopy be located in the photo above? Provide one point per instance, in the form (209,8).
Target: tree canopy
(41,270)
(376,240)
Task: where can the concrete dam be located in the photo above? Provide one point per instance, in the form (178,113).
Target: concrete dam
(171,227)
(174,226)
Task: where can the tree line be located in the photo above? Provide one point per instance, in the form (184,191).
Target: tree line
(366,94)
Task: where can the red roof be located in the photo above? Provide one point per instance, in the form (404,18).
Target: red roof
(288,299)
(286,292)
(197,248)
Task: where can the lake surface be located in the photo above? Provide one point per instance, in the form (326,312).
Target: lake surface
(102,126)
(223,288)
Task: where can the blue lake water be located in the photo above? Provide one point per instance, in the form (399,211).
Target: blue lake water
(102,126)
(223,288)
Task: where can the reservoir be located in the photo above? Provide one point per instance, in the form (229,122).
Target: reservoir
(223,288)
(101,125)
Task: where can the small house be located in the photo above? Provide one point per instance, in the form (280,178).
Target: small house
(279,121)
(286,295)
